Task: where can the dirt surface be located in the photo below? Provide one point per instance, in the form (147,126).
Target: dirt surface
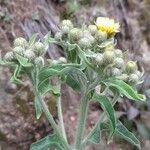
(18,125)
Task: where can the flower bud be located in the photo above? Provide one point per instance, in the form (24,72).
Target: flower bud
(58,35)
(75,34)
(39,61)
(131,67)
(138,73)
(54,62)
(65,29)
(116,72)
(119,62)
(39,48)
(84,43)
(99,59)
(19,50)
(118,53)
(20,42)
(123,77)
(86,33)
(101,36)
(9,56)
(29,54)
(133,78)
(109,47)
(109,56)
(93,29)
(91,39)
(62,60)
(67,23)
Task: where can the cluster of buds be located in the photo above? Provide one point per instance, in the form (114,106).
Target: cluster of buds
(107,58)
(21,47)
(112,62)
(85,37)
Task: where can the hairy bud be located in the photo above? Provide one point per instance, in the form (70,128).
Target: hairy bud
(20,42)
(9,56)
(99,59)
(133,78)
(119,62)
(19,50)
(138,73)
(39,61)
(93,29)
(109,56)
(67,23)
(116,72)
(123,77)
(62,60)
(84,43)
(58,35)
(65,29)
(131,67)
(39,48)
(101,36)
(75,34)
(118,53)
(54,62)
(29,54)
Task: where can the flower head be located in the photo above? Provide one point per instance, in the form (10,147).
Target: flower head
(107,25)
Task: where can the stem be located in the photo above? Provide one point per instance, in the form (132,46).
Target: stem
(81,123)
(60,114)
(34,80)
(101,119)
(51,120)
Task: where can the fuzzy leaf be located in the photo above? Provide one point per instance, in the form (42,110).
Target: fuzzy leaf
(15,75)
(23,61)
(48,142)
(123,132)
(95,136)
(76,79)
(46,87)
(38,108)
(125,89)
(32,40)
(108,109)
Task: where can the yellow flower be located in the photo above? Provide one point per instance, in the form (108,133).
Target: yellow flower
(107,25)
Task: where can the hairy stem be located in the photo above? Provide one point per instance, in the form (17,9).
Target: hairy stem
(60,114)
(34,80)
(81,122)
(51,120)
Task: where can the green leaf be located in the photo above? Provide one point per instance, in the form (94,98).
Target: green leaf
(125,89)
(15,75)
(95,136)
(76,79)
(32,40)
(123,132)
(108,109)
(2,62)
(48,142)
(23,61)
(46,39)
(38,108)
(46,87)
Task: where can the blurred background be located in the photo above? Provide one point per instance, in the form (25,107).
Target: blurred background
(18,125)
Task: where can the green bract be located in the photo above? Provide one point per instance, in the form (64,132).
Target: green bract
(91,60)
